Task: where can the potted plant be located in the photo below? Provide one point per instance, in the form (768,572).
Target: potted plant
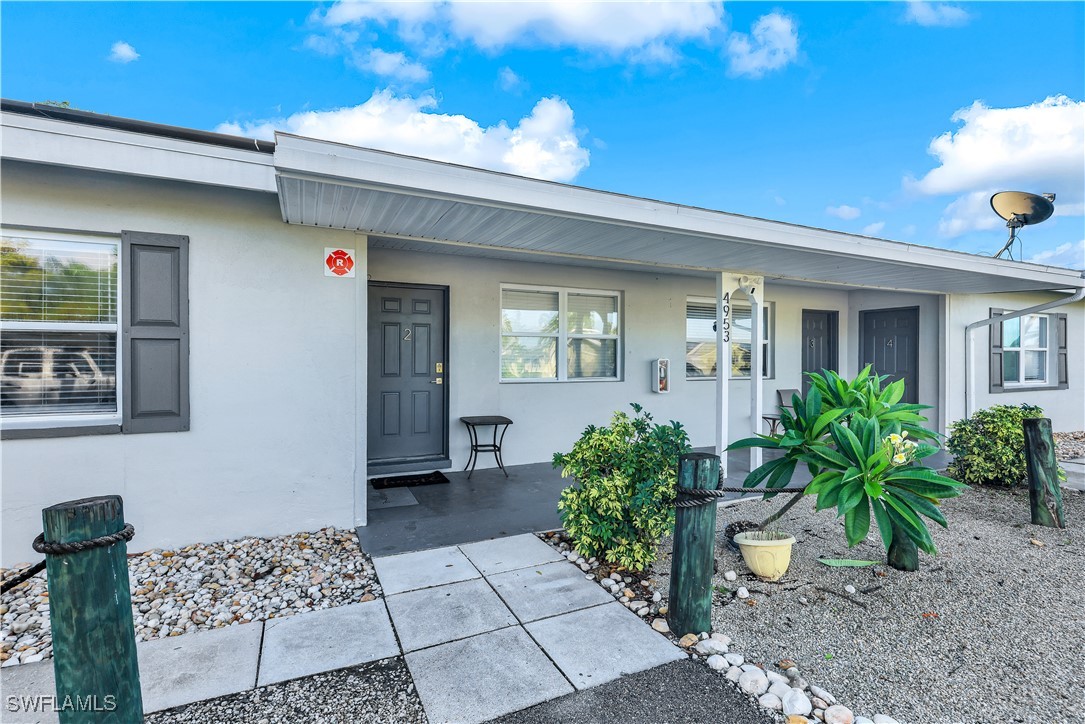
(862,445)
(767,552)
(622,503)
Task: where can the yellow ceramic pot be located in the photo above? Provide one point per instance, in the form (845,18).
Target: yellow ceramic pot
(766,554)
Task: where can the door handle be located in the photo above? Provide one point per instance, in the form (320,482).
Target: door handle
(438,381)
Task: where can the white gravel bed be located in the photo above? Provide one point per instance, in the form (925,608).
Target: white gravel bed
(988,630)
(382,691)
(207,586)
(1069,445)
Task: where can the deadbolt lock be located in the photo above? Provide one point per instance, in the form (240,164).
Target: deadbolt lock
(440,367)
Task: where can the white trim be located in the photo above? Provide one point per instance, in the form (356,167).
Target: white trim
(563,336)
(1020,349)
(77,145)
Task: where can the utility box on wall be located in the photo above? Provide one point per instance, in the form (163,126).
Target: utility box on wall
(661,375)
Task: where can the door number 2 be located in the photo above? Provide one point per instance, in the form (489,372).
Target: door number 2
(407,335)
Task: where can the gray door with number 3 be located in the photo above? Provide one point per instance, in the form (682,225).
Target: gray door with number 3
(407,419)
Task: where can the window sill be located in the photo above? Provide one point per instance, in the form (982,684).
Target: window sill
(51,432)
(577,381)
(732,379)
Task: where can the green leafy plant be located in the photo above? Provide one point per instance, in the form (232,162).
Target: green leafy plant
(989,446)
(861,444)
(622,503)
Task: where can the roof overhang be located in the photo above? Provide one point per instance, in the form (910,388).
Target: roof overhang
(412,203)
(74,143)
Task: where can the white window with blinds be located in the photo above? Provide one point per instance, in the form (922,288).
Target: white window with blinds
(701,339)
(1025,350)
(551,334)
(59,302)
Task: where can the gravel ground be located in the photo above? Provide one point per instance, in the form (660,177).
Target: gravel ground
(1069,445)
(989,630)
(682,691)
(208,586)
(382,691)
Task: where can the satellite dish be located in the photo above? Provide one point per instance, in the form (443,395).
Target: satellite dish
(1020,208)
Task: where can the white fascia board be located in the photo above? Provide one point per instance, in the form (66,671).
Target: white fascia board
(76,145)
(367,168)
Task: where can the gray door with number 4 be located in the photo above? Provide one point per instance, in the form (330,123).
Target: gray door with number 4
(407,408)
(889,340)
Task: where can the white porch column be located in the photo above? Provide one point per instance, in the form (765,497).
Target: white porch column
(361,377)
(724,283)
(754,289)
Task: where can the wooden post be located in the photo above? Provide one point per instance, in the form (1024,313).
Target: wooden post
(94,641)
(694,547)
(903,553)
(1045,497)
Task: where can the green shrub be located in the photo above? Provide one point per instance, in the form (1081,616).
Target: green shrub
(622,503)
(989,447)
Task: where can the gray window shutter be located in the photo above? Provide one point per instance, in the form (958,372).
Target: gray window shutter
(996,353)
(154,294)
(1060,355)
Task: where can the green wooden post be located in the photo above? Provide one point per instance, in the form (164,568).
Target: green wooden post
(1044,494)
(690,604)
(94,641)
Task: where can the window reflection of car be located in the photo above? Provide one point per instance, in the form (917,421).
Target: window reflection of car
(53,376)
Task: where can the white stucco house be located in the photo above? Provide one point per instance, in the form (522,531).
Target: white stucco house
(177,326)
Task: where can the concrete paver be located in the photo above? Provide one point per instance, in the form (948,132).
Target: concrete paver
(318,641)
(600,644)
(506,554)
(422,569)
(485,676)
(547,590)
(203,665)
(28,683)
(432,616)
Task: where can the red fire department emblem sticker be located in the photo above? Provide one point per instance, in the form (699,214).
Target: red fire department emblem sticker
(339,262)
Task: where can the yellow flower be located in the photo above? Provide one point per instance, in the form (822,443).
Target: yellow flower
(899,458)
(895,438)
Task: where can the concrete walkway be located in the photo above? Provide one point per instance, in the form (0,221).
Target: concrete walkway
(485,628)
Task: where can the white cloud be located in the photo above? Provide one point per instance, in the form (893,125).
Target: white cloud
(122,52)
(391,65)
(873,229)
(544,144)
(930,14)
(1038,148)
(645,31)
(1068,256)
(773,43)
(508,81)
(843,212)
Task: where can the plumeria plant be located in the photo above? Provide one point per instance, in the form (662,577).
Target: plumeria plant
(862,446)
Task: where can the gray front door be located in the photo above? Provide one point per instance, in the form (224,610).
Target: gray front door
(818,343)
(408,419)
(889,339)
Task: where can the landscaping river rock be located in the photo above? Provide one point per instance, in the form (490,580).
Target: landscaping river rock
(207,586)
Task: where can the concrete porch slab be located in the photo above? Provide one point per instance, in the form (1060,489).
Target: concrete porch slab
(505,671)
(547,590)
(318,641)
(600,644)
(29,681)
(202,665)
(423,569)
(507,554)
(446,613)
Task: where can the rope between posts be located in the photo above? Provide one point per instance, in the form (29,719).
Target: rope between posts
(694,497)
(57,549)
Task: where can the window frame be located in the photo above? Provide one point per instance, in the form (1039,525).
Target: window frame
(563,336)
(1019,384)
(57,424)
(768,343)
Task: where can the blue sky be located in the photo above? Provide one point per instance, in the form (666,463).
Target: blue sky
(892,119)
